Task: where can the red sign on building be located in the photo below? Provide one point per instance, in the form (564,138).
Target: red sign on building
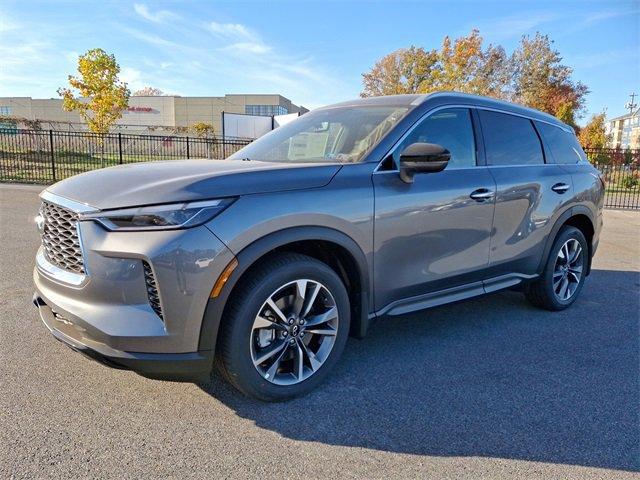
(140,109)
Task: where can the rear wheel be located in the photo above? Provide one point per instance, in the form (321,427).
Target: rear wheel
(564,272)
(285,327)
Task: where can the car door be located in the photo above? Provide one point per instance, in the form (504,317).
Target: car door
(531,193)
(431,235)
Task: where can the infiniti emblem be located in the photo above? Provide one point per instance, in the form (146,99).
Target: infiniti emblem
(294,330)
(40,222)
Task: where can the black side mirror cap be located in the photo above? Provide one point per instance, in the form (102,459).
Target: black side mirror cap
(422,158)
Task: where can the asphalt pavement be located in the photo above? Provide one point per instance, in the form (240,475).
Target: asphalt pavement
(487,388)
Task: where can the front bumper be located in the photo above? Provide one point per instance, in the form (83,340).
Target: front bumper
(188,367)
(106,313)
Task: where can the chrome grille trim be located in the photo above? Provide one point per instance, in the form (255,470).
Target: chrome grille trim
(152,289)
(61,238)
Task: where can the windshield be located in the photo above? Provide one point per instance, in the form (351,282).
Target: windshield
(342,134)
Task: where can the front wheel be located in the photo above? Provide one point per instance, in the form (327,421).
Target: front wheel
(564,272)
(285,327)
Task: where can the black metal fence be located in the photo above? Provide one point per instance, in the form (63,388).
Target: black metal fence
(46,156)
(621,171)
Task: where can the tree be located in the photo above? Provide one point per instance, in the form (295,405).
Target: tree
(203,129)
(407,70)
(532,75)
(149,92)
(565,113)
(461,65)
(541,81)
(594,133)
(464,66)
(101,96)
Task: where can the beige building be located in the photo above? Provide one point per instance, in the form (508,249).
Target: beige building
(625,130)
(153,113)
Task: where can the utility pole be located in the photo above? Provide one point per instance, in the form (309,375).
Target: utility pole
(631,106)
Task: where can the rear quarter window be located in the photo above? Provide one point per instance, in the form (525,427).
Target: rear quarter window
(563,146)
(510,140)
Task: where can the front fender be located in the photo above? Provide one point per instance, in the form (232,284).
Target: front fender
(261,247)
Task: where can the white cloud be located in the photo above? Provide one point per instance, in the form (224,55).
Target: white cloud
(152,38)
(6,24)
(132,77)
(231,30)
(257,48)
(604,58)
(158,17)
(244,39)
(515,26)
(605,15)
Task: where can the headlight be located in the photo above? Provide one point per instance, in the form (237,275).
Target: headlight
(160,217)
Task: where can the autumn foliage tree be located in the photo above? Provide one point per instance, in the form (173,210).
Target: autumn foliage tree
(594,133)
(541,81)
(408,70)
(202,129)
(97,94)
(464,66)
(148,92)
(532,75)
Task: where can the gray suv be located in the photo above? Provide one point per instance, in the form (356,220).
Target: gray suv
(263,264)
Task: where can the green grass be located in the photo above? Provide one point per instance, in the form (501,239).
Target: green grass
(35,167)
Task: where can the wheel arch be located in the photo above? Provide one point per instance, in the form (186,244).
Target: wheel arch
(333,247)
(579,217)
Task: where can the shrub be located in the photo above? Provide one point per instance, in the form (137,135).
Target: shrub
(629,181)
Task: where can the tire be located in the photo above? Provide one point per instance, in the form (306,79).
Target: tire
(256,324)
(549,292)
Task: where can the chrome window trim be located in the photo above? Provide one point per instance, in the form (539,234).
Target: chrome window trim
(408,132)
(470,107)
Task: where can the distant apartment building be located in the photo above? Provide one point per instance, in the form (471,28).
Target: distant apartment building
(625,130)
(154,112)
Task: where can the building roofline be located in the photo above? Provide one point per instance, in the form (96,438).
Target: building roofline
(628,115)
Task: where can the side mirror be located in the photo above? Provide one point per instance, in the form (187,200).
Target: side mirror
(422,158)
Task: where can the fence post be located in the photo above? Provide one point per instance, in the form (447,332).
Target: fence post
(187,147)
(53,157)
(120,147)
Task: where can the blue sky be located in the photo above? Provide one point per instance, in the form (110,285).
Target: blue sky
(311,52)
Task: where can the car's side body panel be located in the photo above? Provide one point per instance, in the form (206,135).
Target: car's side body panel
(429,234)
(526,210)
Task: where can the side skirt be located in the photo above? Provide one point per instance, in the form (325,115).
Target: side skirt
(454,294)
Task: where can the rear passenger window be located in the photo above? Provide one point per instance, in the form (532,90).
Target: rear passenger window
(563,145)
(510,140)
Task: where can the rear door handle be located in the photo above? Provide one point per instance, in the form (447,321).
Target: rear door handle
(481,194)
(560,188)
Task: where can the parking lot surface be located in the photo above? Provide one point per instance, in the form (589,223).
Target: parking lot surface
(486,388)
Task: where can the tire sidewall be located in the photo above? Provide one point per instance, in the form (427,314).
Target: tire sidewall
(566,233)
(240,366)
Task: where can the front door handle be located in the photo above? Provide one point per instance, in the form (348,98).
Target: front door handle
(560,188)
(481,194)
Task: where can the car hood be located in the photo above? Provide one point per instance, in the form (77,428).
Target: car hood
(186,180)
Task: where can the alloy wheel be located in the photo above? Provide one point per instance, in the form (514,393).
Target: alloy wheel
(294,332)
(567,271)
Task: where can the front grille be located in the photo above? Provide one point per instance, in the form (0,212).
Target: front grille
(60,237)
(152,289)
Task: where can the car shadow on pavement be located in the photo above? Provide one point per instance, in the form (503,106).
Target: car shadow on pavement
(491,377)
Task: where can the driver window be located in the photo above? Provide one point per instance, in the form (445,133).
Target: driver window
(452,128)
